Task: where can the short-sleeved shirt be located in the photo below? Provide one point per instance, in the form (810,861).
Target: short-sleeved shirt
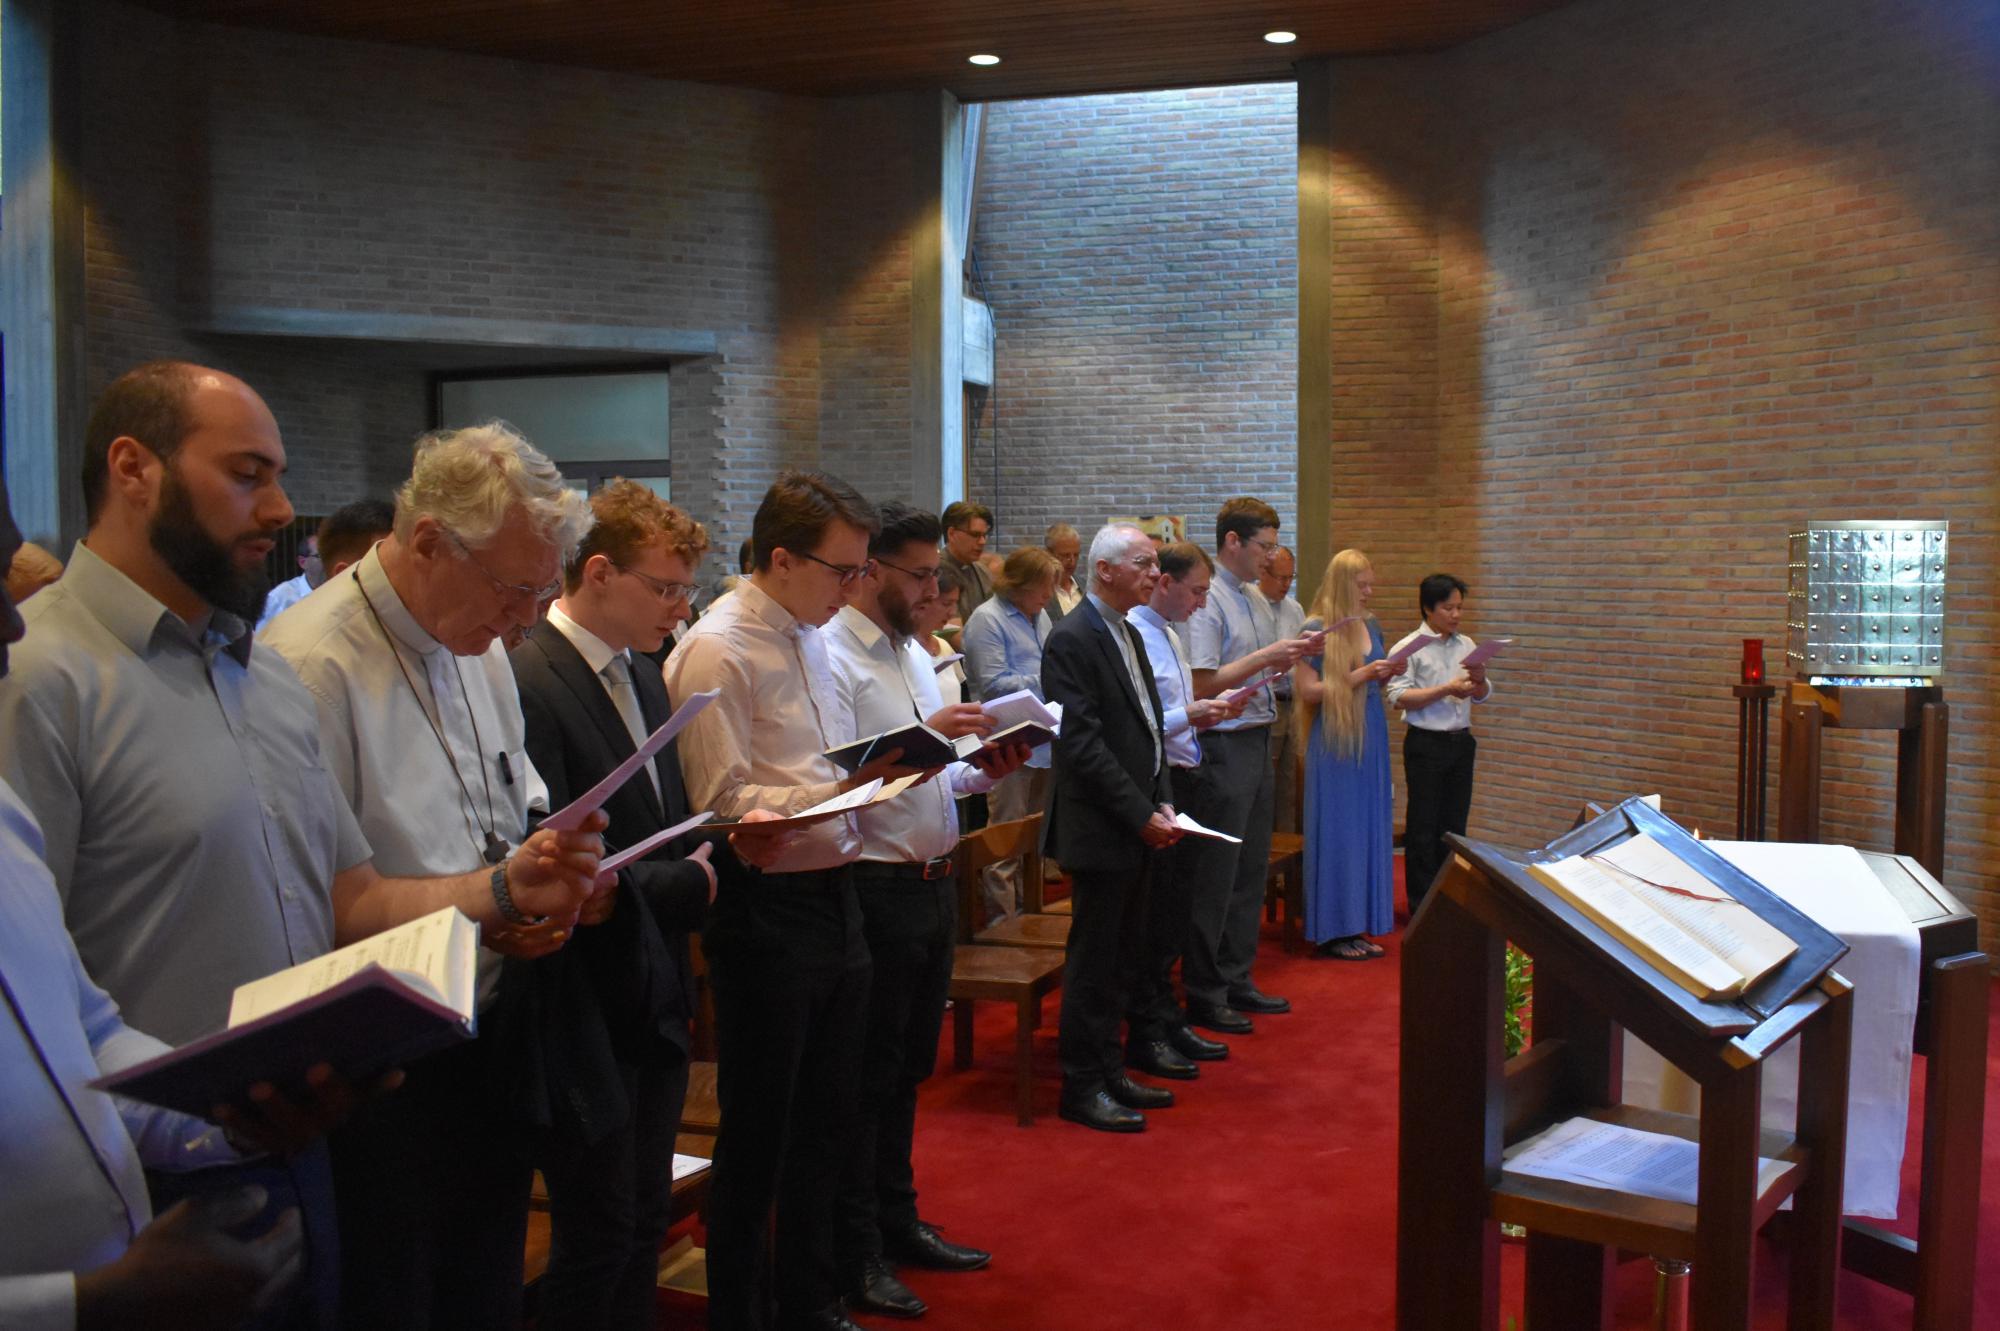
(386,691)
(1285,619)
(1226,630)
(192,824)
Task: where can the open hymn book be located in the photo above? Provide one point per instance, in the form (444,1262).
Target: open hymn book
(366,1009)
(1668,912)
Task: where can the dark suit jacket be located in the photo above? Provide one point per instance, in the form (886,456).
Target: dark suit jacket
(621,991)
(1107,780)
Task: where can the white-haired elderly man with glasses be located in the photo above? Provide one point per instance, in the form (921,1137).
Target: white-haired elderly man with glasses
(421,725)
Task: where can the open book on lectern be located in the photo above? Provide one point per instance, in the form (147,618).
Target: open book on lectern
(1642,888)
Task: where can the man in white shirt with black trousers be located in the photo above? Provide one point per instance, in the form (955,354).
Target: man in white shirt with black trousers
(786,957)
(1435,695)
(907,885)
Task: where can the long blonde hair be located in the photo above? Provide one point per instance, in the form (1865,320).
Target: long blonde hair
(1346,648)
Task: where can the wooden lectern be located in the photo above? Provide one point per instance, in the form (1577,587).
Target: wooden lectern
(1462,1105)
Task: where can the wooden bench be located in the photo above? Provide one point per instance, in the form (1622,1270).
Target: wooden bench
(1017,975)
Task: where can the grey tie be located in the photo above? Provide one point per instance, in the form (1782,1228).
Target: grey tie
(618,679)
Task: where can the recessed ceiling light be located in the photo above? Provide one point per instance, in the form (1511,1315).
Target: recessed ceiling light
(983,59)
(1281,38)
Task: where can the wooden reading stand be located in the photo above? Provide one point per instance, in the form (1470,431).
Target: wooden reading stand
(1461,1105)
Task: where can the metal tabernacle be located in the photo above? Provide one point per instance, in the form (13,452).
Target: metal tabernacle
(1865,603)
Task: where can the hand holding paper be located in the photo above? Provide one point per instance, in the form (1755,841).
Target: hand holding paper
(1411,648)
(654,842)
(1486,651)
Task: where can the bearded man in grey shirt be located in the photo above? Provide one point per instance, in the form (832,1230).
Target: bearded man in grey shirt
(193,830)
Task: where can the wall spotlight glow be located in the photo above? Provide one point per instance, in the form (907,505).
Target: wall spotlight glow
(983,59)
(1281,38)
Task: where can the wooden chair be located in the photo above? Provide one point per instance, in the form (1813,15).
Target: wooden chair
(993,844)
(1017,975)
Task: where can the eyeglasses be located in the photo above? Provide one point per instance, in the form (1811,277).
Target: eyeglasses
(1266,546)
(666,591)
(920,574)
(1144,562)
(849,573)
(508,590)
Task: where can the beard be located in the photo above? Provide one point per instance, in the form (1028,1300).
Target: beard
(205,564)
(899,611)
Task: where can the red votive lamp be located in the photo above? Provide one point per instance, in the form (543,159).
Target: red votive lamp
(1753,660)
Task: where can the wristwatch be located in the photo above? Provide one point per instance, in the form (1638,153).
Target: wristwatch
(503,899)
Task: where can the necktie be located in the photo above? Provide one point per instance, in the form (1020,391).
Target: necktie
(618,681)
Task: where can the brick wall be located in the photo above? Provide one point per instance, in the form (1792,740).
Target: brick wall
(1704,270)
(306,174)
(1139,255)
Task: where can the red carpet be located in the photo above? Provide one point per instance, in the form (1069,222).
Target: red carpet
(1264,1200)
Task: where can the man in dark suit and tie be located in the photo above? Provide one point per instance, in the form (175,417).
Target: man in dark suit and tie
(598,1033)
(1111,818)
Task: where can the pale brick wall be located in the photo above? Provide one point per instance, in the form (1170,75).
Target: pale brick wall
(1139,253)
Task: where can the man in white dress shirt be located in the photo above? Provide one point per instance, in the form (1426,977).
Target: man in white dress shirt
(787,960)
(1062,541)
(293,590)
(1159,1040)
(1435,695)
(421,726)
(907,884)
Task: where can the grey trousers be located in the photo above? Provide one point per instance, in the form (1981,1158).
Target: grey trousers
(1285,766)
(1228,881)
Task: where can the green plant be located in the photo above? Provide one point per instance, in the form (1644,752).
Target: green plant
(1520,999)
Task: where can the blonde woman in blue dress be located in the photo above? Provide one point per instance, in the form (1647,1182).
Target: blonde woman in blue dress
(1349,800)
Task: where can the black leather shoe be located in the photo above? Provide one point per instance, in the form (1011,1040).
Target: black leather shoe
(830,1318)
(875,1289)
(1098,1110)
(1134,1095)
(921,1245)
(1250,1000)
(1192,1044)
(1219,1018)
(1160,1059)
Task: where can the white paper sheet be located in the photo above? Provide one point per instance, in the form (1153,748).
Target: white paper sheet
(1622,1159)
(646,847)
(571,815)
(1193,828)
(1835,887)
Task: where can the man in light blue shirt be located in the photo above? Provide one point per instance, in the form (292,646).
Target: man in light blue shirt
(1003,654)
(1160,1041)
(1226,650)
